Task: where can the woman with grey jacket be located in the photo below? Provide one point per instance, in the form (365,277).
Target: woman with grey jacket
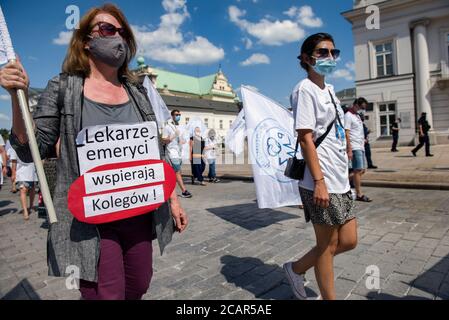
(114,259)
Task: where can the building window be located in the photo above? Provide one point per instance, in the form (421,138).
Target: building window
(230,123)
(387,116)
(206,122)
(187,120)
(221,124)
(384,59)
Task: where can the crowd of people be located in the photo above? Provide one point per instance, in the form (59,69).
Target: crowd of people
(202,151)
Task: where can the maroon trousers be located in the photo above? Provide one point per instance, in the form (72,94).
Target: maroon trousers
(125,267)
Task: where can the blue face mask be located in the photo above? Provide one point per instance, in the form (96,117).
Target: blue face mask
(325,66)
(178,118)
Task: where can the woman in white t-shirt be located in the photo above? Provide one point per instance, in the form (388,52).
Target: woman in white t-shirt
(325,189)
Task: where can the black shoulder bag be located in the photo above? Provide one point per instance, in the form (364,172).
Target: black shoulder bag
(296,167)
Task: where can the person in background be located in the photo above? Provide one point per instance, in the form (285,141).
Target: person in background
(355,145)
(26,179)
(211,155)
(9,166)
(395,133)
(424,127)
(324,191)
(366,132)
(12,175)
(197,145)
(3,161)
(171,136)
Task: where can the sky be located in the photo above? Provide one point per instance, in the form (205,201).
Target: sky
(256,42)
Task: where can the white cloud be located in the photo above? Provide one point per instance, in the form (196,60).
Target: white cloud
(63,38)
(173,5)
(304,16)
(167,43)
(350,65)
(5,97)
(273,33)
(248,43)
(256,58)
(342,74)
(236,49)
(346,73)
(4,117)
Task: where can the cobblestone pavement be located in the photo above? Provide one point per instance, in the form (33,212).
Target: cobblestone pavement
(232,250)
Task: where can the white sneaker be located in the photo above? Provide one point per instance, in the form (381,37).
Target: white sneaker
(296,281)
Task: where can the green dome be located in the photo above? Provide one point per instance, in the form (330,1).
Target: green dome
(141,61)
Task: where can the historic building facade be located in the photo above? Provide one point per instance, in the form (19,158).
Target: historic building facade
(211,98)
(403,67)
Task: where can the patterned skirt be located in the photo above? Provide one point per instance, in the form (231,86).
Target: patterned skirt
(339,212)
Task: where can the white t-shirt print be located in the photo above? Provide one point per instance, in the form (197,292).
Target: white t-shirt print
(313,109)
(354,124)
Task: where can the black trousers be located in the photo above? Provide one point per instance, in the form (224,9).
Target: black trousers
(395,142)
(198,167)
(423,141)
(368,155)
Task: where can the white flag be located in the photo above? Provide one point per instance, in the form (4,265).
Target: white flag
(159,107)
(235,138)
(271,142)
(6,49)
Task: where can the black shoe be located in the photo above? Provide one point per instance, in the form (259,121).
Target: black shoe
(429,155)
(372,167)
(186,194)
(414,153)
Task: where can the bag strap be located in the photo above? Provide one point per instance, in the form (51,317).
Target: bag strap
(320,139)
(336,109)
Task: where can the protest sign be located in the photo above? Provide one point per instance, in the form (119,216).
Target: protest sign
(119,191)
(99,145)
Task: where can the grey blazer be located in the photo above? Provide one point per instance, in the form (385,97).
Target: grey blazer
(70,242)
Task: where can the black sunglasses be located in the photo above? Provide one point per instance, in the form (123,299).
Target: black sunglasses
(324,53)
(106,29)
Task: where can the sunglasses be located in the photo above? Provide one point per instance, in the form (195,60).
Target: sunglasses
(324,53)
(106,29)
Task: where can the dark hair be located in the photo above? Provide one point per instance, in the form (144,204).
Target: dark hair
(360,101)
(310,44)
(174,111)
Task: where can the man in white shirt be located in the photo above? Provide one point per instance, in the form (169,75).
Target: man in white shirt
(2,160)
(26,178)
(355,137)
(173,140)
